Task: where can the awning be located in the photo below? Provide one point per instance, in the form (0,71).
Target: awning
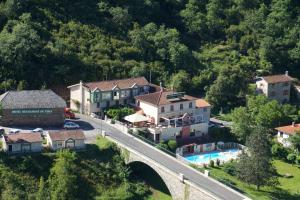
(136,118)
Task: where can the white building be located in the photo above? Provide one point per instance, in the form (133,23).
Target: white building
(72,139)
(275,87)
(175,115)
(22,143)
(93,97)
(297,89)
(284,132)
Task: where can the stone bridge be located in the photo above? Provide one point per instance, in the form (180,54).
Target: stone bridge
(179,187)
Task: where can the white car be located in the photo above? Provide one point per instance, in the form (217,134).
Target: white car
(38,130)
(71,125)
(13,131)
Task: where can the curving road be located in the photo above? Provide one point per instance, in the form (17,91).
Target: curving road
(212,186)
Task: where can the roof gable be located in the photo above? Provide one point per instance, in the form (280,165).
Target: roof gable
(277,78)
(121,83)
(31,99)
(160,98)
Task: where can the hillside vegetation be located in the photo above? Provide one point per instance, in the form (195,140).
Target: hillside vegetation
(196,46)
(98,173)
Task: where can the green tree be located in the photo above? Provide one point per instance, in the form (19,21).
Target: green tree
(63,177)
(42,191)
(255,164)
(242,124)
(228,89)
(295,141)
(179,81)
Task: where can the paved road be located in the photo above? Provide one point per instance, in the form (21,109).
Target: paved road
(198,179)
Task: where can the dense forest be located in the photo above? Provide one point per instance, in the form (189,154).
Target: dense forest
(212,47)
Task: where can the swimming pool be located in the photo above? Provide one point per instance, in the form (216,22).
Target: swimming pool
(202,158)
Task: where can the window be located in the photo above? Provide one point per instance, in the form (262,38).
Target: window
(26,147)
(162,109)
(98,105)
(285,92)
(107,104)
(190,105)
(70,143)
(59,144)
(273,94)
(204,109)
(106,95)
(115,93)
(285,84)
(192,133)
(171,108)
(181,106)
(141,89)
(179,135)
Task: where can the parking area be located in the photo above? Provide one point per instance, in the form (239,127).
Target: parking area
(89,131)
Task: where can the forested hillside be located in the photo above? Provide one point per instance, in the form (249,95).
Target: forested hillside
(192,45)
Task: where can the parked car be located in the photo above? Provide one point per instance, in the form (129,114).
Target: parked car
(94,115)
(69,114)
(71,125)
(13,131)
(38,130)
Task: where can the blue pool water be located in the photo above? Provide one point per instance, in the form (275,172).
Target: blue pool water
(214,155)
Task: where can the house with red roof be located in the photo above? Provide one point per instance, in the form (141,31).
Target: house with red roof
(174,115)
(284,132)
(93,97)
(277,87)
(22,143)
(71,139)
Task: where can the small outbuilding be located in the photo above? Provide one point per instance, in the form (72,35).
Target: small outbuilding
(72,139)
(22,143)
(32,108)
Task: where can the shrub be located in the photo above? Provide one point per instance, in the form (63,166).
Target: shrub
(119,113)
(112,121)
(279,151)
(297,160)
(211,163)
(172,144)
(230,168)
(162,145)
(291,157)
(130,131)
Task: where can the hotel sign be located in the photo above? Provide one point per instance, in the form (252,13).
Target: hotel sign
(31,111)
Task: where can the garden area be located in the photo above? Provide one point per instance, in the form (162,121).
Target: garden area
(288,176)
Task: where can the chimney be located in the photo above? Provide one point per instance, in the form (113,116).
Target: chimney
(161,87)
(293,124)
(286,73)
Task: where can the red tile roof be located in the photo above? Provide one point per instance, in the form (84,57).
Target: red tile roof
(65,135)
(277,78)
(23,138)
(160,98)
(122,83)
(200,103)
(291,129)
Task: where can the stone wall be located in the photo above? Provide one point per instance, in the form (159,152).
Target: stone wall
(55,118)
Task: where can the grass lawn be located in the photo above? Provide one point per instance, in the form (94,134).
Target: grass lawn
(288,188)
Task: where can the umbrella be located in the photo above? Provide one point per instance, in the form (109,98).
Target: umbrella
(136,118)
